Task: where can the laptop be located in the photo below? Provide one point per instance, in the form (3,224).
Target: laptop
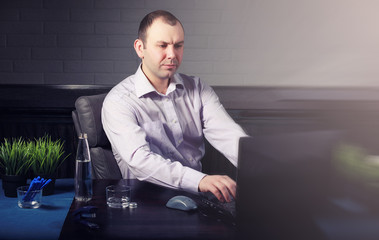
(288,187)
(226,211)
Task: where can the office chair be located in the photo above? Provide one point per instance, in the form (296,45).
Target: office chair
(87,119)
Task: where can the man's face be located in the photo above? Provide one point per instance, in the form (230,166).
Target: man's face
(162,51)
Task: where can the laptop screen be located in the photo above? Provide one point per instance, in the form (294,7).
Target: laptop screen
(290,186)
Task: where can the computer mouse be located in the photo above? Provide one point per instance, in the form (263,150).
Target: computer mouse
(183,203)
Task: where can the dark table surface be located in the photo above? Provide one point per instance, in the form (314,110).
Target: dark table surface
(36,224)
(150,220)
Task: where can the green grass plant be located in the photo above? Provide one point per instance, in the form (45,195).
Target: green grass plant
(46,155)
(15,156)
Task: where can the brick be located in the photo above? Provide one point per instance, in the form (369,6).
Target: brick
(232,67)
(206,29)
(56,53)
(195,42)
(228,42)
(21,27)
(122,41)
(105,15)
(170,4)
(243,55)
(69,28)
(202,16)
(207,54)
(38,66)
(9,14)
(21,78)
(126,66)
(15,53)
(197,67)
(69,78)
(2,40)
(111,79)
(31,40)
(238,4)
(68,4)
(236,16)
(116,28)
(82,41)
(133,15)
(107,53)
(88,66)
(6,66)
(119,4)
(22,4)
(45,14)
(212,4)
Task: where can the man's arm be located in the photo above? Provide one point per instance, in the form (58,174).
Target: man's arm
(223,134)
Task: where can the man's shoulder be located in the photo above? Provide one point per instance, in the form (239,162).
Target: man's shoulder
(194,84)
(189,82)
(123,89)
(189,78)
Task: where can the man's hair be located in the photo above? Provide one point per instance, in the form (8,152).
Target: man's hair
(148,20)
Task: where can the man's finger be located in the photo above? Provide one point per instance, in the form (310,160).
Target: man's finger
(230,186)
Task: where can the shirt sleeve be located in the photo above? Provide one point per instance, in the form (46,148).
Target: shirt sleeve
(129,144)
(221,131)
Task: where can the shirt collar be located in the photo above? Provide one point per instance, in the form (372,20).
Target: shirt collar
(143,85)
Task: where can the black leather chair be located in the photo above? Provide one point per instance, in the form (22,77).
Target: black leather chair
(87,119)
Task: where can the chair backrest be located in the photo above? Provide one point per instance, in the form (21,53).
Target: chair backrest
(87,119)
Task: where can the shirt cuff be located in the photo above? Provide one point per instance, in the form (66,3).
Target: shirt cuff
(191,180)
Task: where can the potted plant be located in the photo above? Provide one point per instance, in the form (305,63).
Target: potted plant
(47,155)
(15,163)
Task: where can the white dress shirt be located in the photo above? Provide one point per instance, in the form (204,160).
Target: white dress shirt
(159,137)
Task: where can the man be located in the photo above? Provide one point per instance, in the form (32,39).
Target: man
(156,119)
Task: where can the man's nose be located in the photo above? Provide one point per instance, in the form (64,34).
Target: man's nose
(170,52)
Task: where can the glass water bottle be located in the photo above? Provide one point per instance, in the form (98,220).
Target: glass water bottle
(83,180)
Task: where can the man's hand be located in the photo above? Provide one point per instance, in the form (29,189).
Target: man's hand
(221,186)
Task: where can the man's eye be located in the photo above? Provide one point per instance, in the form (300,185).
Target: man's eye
(163,46)
(178,46)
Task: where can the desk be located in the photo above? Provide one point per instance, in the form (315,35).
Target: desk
(150,220)
(42,223)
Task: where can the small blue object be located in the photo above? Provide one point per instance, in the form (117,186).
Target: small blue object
(36,184)
(47,182)
(82,214)
(86,210)
(182,203)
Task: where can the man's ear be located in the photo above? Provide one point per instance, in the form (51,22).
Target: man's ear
(138,47)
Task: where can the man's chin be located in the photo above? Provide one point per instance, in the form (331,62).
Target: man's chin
(169,73)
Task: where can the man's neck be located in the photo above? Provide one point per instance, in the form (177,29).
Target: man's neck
(160,85)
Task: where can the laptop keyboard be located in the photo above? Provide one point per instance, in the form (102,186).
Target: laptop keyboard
(211,206)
